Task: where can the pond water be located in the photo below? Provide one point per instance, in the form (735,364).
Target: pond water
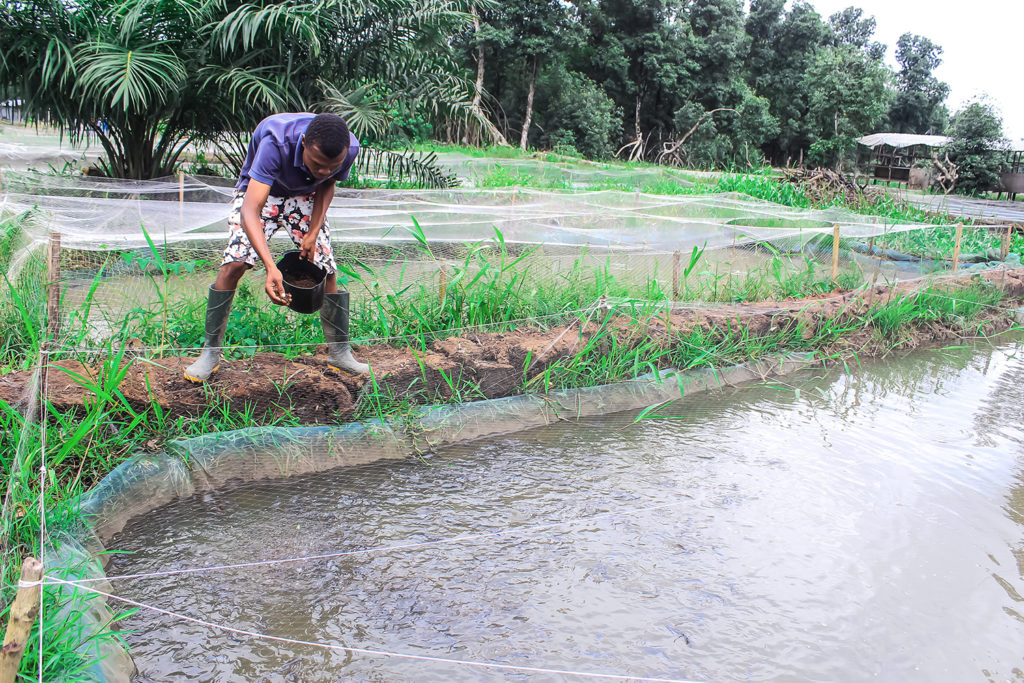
(834,527)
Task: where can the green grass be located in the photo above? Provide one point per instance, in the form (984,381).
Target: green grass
(504,176)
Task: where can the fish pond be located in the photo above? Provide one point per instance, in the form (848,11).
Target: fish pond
(843,525)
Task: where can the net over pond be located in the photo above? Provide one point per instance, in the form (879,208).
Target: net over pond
(130,251)
(456,295)
(835,528)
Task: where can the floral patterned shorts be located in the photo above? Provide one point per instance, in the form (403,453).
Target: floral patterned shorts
(292,213)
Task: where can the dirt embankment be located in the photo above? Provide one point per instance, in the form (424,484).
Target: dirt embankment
(476,365)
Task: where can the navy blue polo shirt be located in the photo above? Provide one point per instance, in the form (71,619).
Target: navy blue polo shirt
(275,157)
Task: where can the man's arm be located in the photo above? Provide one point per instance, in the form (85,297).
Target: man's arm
(321,202)
(255,198)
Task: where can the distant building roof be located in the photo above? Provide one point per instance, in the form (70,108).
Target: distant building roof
(901,140)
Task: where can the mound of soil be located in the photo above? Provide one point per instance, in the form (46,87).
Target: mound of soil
(470,367)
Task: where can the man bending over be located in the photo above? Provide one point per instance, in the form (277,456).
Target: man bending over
(287,181)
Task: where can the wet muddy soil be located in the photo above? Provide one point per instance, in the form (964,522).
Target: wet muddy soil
(473,366)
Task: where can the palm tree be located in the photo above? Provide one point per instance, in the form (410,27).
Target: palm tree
(149,77)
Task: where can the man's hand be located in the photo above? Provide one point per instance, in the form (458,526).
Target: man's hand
(307,247)
(275,287)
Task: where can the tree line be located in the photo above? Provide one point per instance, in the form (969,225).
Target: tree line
(779,83)
(699,83)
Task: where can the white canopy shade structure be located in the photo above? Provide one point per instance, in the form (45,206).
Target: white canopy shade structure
(903,140)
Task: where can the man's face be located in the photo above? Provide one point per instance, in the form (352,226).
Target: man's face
(320,165)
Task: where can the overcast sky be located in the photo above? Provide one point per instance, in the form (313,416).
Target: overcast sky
(982,42)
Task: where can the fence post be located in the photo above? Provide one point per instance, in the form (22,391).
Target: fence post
(835,252)
(22,616)
(956,246)
(53,286)
(442,290)
(1004,246)
(676,271)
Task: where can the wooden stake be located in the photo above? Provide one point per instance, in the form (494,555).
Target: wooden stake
(835,252)
(443,287)
(1004,247)
(871,246)
(53,286)
(874,281)
(676,271)
(181,207)
(956,246)
(22,616)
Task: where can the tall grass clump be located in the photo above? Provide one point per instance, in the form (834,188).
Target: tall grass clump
(963,308)
(492,285)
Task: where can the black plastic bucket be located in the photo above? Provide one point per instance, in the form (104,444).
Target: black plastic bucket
(305,299)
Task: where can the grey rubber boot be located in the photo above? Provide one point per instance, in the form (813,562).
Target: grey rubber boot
(334,318)
(217,308)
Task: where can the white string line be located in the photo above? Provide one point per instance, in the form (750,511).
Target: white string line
(358,340)
(367,651)
(386,548)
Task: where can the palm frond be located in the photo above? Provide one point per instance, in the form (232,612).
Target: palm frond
(248,24)
(264,87)
(132,79)
(158,18)
(58,63)
(363,111)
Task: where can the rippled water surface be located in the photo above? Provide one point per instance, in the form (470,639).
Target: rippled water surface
(861,526)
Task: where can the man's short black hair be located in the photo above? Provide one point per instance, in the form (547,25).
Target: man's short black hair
(329,133)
